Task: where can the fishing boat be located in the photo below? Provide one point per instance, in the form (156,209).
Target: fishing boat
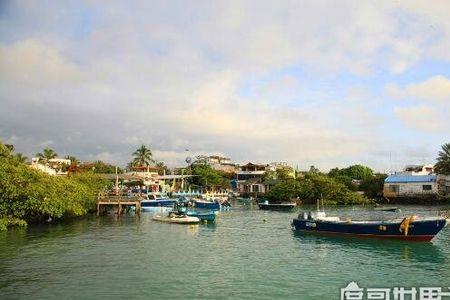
(409,228)
(276,206)
(177,219)
(203,216)
(157,200)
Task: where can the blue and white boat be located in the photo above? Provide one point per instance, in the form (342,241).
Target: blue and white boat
(153,200)
(409,228)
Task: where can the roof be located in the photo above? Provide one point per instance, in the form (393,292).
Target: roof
(410,178)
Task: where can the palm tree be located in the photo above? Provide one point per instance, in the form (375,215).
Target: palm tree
(142,156)
(21,158)
(73,160)
(47,154)
(443,161)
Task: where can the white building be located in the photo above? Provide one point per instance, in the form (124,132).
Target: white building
(414,181)
(54,166)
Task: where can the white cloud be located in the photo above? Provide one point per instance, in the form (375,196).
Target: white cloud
(169,76)
(421,117)
(436,88)
(31,62)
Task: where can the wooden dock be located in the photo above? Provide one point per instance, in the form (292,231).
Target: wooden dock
(121,202)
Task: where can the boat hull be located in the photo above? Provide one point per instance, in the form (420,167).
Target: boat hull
(158,203)
(421,230)
(207,205)
(210,217)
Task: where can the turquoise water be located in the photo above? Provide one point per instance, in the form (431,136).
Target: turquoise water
(240,257)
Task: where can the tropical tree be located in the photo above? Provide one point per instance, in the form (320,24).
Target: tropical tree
(47,154)
(142,156)
(443,161)
(73,160)
(20,158)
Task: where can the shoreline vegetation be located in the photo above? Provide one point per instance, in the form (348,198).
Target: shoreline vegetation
(31,196)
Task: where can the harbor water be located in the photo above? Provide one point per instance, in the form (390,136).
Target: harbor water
(246,254)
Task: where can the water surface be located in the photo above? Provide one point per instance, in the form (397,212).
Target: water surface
(247,254)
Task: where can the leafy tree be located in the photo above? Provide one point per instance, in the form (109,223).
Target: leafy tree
(205,175)
(312,187)
(313,169)
(101,167)
(46,155)
(443,161)
(373,186)
(162,168)
(31,195)
(142,156)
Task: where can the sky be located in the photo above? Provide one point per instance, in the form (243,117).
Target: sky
(324,83)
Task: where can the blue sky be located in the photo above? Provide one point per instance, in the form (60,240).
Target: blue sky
(305,82)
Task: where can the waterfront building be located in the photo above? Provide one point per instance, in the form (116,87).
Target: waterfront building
(250,178)
(53,166)
(415,181)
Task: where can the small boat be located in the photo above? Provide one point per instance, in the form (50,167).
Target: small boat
(177,219)
(157,200)
(409,228)
(203,216)
(276,206)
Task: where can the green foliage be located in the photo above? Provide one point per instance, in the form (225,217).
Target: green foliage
(357,172)
(443,161)
(31,195)
(312,187)
(373,186)
(10,222)
(142,156)
(100,167)
(162,168)
(205,175)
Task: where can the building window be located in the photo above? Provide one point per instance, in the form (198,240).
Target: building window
(394,188)
(426,187)
(255,188)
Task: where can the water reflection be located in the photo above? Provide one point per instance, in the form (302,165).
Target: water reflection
(389,249)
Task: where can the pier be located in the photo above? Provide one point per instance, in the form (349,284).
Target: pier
(121,202)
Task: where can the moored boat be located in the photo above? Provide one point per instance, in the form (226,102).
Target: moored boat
(409,228)
(177,219)
(210,205)
(386,208)
(276,206)
(157,200)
